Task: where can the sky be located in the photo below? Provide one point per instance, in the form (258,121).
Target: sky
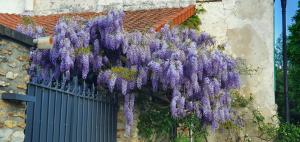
(291,7)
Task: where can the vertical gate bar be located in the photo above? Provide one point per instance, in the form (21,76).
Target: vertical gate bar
(80,113)
(75,116)
(93,108)
(91,120)
(105,119)
(84,120)
(93,111)
(98,116)
(57,113)
(37,115)
(95,119)
(114,123)
(102,119)
(109,120)
(109,124)
(78,136)
(76,121)
(88,121)
(116,109)
(68,118)
(44,115)
(29,114)
(51,111)
(112,119)
(96,122)
(63,114)
(93,94)
(54,116)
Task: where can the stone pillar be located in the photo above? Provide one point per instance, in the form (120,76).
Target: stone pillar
(13,79)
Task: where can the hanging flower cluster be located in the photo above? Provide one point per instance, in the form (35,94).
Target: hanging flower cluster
(31,30)
(181,61)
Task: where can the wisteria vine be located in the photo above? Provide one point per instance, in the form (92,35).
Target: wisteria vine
(181,61)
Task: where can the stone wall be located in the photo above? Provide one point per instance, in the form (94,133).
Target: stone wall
(121,137)
(246,27)
(13,79)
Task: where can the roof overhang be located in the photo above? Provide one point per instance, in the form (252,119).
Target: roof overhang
(139,20)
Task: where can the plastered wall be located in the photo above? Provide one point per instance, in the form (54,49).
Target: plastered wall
(12,6)
(44,7)
(246,28)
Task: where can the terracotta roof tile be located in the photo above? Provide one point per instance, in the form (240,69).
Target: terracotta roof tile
(134,20)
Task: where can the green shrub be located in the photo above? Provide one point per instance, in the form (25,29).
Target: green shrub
(288,133)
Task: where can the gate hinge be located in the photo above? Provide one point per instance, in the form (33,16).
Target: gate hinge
(17,97)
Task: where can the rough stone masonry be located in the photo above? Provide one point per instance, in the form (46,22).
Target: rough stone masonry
(13,79)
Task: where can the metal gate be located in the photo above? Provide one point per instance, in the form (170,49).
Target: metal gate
(70,113)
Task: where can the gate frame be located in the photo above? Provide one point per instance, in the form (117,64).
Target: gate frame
(77,92)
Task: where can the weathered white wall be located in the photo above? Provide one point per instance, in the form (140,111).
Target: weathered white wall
(41,7)
(150,4)
(12,6)
(63,6)
(246,27)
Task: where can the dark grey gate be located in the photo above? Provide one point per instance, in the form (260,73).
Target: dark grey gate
(70,113)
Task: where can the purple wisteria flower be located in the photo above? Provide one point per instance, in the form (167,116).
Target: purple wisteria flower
(182,61)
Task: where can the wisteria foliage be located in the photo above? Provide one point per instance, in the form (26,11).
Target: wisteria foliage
(181,61)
